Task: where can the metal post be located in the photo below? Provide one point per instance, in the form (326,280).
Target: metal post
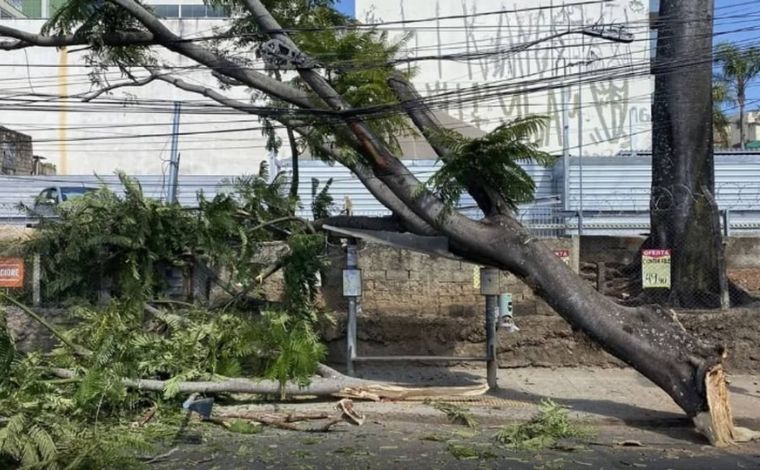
(726,223)
(566,143)
(631,135)
(352,263)
(492,307)
(489,287)
(36,282)
(580,129)
(171,195)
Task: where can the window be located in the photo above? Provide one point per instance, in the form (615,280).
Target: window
(69,193)
(193,11)
(217,12)
(5,14)
(166,11)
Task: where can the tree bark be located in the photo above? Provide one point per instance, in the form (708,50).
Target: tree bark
(682,218)
(741,98)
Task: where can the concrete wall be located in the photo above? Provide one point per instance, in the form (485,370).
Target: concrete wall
(15,153)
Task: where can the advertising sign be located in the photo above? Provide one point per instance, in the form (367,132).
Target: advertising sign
(655,269)
(11,272)
(564,255)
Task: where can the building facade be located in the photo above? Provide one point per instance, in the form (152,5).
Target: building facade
(128,129)
(469,63)
(16,153)
(11,9)
(595,92)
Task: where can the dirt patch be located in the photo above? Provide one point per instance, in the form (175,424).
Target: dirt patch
(749,279)
(543,341)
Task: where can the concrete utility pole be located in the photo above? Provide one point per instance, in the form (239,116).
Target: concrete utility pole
(171,193)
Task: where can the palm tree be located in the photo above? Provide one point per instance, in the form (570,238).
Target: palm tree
(721,94)
(738,68)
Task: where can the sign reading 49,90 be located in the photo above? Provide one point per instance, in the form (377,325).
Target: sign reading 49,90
(655,269)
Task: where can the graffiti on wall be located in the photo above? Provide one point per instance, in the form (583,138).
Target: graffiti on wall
(496,82)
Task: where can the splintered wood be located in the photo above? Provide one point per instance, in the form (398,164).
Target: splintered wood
(718,423)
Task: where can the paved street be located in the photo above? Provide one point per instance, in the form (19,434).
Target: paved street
(633,423)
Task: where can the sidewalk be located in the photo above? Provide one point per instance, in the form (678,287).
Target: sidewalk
(595,396)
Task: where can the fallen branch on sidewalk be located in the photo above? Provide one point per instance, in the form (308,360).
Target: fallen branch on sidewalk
(337,386)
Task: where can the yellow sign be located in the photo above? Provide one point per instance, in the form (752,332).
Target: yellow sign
(476,277)
(655,269)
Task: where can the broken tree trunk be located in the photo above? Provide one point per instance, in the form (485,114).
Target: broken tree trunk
(647,338)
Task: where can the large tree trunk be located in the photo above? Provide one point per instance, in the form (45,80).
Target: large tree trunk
(683,214)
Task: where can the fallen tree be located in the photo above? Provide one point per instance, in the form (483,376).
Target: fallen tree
(648,338)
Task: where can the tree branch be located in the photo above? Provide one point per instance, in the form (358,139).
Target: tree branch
(488,200)
(251,78)
(396,177)
(24,39)
(132,83)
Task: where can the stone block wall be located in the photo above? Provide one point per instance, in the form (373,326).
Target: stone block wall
(15,153)
(401,282)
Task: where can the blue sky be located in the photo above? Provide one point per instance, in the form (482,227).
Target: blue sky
(346,6)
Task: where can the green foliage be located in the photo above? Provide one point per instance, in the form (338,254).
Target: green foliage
(129,239)
(93,20)
(721,94)
(321,200)
(491,159)
(738,66)
(357,62)
(301,271)
(294,349)
(133,240)
(456,414)
(50,422)
(244,427)
(550,425)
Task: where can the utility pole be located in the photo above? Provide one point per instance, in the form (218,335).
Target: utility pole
(171,195)
(565,141)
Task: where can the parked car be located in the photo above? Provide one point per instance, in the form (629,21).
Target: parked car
(49,198)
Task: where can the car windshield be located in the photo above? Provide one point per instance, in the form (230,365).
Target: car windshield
(71,193)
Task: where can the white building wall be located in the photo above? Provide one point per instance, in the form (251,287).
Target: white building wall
(72,134)
(614,111)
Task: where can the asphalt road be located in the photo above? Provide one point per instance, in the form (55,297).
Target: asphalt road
(403,445)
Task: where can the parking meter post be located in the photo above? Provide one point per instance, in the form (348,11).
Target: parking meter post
(489,287)
(352,291)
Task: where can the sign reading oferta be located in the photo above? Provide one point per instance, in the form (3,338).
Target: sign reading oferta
(655,269)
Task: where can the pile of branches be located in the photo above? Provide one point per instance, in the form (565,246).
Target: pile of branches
(128,358)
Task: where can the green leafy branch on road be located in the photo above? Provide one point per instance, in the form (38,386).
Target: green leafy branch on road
(551,424)
(457,414)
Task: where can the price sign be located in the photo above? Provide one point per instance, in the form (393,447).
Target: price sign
(655,269)
(564,255)
(12,272)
